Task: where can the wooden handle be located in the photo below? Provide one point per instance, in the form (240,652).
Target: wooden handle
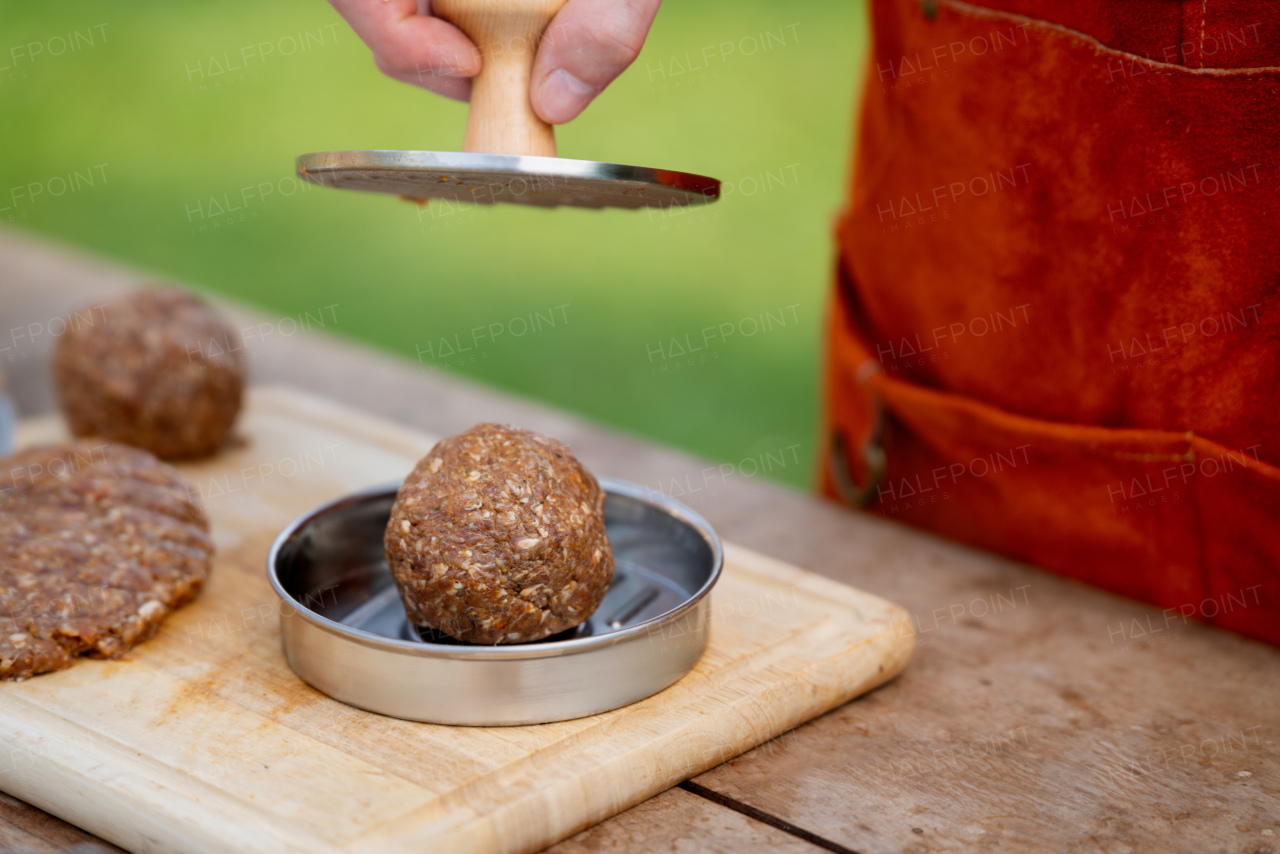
(507,32)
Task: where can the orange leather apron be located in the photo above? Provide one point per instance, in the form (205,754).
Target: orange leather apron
(1055,332)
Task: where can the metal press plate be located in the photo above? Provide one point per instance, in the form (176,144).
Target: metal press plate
(499,178)
(345,631)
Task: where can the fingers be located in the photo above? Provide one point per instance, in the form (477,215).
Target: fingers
(458,88)
(414,48)
(589,43)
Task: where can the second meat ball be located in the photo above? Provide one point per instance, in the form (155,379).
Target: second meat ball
(157,369)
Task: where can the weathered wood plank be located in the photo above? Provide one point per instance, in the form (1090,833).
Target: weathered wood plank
(676,822)
(1038,714)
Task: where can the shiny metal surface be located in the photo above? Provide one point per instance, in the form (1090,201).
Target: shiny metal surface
(8,423)
(499,178)
(346,633)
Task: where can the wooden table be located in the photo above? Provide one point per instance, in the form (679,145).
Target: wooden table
(1037,714)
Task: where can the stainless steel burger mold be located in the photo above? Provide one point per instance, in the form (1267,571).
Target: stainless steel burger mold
(345,632)
(509,152)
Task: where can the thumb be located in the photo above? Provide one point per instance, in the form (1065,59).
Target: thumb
(587,45)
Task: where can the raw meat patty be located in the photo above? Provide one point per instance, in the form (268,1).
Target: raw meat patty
(497,536)
(98,542)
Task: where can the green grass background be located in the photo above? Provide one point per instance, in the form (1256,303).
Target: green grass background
(145,100)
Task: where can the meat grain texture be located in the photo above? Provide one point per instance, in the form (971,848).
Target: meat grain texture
(157,369)
(98,542)
(498,536)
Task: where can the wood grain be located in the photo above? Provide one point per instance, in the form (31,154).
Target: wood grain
(1038,714)
(676,822)
(24,830)
(204,740)
(865,773)
(501,119)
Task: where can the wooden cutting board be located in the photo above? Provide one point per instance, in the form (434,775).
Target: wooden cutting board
(204,740)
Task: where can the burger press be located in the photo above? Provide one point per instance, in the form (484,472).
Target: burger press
(510,152)
(345,631)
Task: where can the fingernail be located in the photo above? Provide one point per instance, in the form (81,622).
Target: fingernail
(562,96)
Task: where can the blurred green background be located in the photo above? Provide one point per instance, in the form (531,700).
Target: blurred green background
(188,118)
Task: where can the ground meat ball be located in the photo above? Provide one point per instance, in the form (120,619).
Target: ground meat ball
(98,542)
(157,369)
(497,536)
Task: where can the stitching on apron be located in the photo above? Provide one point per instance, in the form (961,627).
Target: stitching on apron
(1204,14)
(960,7)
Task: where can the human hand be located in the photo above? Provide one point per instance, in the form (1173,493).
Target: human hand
(587,45)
